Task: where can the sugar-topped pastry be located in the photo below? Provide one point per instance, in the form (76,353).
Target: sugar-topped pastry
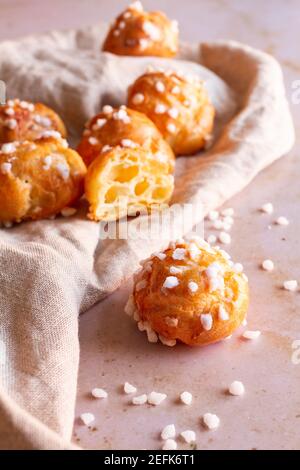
(21,120)
(140,33)
(178,104)
(125,180)
(38,179)
(190,293)
(125,128)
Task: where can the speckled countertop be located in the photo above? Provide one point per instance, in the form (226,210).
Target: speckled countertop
(113,351)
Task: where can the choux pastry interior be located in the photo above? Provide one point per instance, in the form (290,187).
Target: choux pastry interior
(139,33)
(21,120)
(190,293)
(38,179)
(125,128)
(123,181)
(179,106)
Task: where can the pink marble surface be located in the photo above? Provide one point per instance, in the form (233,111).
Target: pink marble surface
(113,351)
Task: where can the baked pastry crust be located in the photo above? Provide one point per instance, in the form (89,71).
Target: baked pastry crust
(21,120)
(126,128)
(191,293)
(179,106)
(139,33)
(38,179)
(124,181)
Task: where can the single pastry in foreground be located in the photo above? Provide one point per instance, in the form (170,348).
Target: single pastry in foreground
(179,106)
(21,120)
(38,179)
(140,33)
(191,293)
(123,181)
(125,128)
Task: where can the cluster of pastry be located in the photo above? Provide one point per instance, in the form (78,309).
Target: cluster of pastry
(191,292)
(140,33)
(39,174)
(126,156)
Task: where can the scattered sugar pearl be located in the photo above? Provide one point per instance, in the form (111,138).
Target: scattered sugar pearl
(228,212)
(116,32)
(169,444)
(128,143)
(175,90)
(140,400)
(127,15)
(160,109)
(186,398)
(8,148)
(267,208)
(68,211)
(5,168)
(170,282)
(93,141)
(52,133)
(47,162)
(179,254)
(171,127)
(151,335)
(211,239)
(143,43)
(128,388)
(222,313)
(106,148)
(267,265)
(122,24)
(141,285)
(160,87)
(251,334)
(194,251)
(291,285)
(193,286)
(151,30)
(107,109)
(282,221)
(213,215)
(138,98)
(175,270)
(87,418)
(211,421)
(137,5)
(171,321)
(99,393)
(167,342)
(218,224)
(9,111)
(238,267)
(236,388)
(99,123)
(11,124)
(156,398)
(169,432)
(206,321)
(224,238)
(188,436)
(63,169)
(173,113)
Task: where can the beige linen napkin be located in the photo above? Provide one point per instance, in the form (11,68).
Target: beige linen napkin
(52,270)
